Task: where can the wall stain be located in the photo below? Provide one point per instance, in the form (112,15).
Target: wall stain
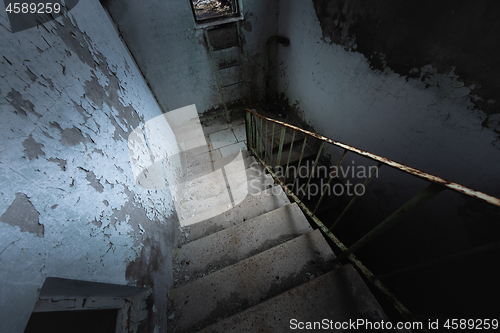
(32,149)
(23,214)
(125,119)
(21,105)
(70,136)
(32,76)
(62,163)
(454,34)
(92,179)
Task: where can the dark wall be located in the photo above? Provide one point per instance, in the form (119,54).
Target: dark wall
(410,34)
(416,82)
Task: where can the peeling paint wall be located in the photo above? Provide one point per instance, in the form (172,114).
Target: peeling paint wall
(70,95)
(428,118)
(174,57)
(429,124)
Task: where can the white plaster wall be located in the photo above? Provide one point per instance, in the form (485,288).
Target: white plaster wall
(434,129)
(70,94)
(173,56)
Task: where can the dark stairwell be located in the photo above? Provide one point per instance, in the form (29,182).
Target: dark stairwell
(414,81)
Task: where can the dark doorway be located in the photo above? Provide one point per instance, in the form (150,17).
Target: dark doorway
(95,321)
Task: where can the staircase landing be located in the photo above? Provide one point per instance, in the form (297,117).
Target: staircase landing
(254,263)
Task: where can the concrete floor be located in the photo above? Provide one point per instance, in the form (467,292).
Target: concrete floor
(215,179)
(224,139)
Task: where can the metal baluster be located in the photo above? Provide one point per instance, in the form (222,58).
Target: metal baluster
(333,175)
(248,119)
(272,146)
(355,197)
(300,161)
(313,168)
(428,193)
(289,154)
(280,149)
(265,144)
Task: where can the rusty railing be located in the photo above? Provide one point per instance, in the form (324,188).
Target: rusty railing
(261,145)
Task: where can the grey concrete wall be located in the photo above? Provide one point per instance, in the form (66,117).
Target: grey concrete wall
(173,55)
(427,118)
(429,124)
(70,95)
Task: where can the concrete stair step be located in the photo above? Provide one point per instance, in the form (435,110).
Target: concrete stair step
(309,153)
(252,206)
(201,198)
(204,185)
(230,290)
(197,166)
(227,247)
(339,296)
(211,202)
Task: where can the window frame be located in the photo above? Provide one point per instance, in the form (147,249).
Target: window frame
(221,19)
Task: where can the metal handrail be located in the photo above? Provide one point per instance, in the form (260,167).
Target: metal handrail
(257,143)
(413,171)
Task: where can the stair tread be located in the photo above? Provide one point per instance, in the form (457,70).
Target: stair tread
(236,174)
(287,140)
(235,288)
(196,209)
(238,242)
(294,157)
(199,166)
(339,296)
(252,206)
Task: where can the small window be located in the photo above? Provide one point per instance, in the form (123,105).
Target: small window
(211,10)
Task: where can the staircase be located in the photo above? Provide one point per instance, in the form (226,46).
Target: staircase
(260,266)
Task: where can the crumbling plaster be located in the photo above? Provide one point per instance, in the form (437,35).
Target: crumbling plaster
(70,94)
(428,123)
(427,119)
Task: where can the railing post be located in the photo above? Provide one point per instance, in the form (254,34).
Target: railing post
(289,154)
(280,148)
(265,144)
(454,256)
(428,193)
(300,161)
(332,175)
(272,146)
(355,196)
(248,121)
(313,168)
(262,143)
